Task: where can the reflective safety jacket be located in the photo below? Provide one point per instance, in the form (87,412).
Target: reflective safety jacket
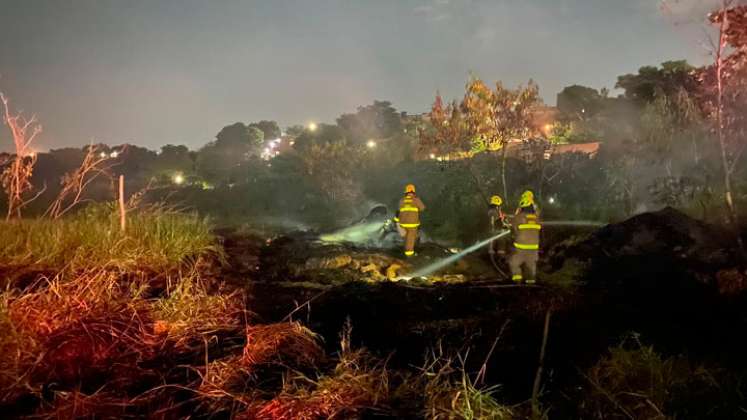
(527,231)
(410,207)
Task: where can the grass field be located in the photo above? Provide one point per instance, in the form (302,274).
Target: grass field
(154,240)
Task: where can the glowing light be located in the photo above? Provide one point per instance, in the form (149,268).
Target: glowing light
(114,154)
(371,144)
(102,155)
(292,142)
(548,127)
(551,200)
(178,179)
(433,156)
(312,126)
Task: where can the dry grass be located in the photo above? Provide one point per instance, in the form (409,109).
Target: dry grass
(225,385)
(286,343)
(190,312)
(18,351)
(74,329)
(77,405)
(359,382)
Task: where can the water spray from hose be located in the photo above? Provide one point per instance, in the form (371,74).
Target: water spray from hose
(590,223)
(456,257)
(425,271)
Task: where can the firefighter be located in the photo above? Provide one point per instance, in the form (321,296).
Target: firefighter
(526,229)
(497,221)
(408,218)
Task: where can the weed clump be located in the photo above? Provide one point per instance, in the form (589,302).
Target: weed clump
(449,393)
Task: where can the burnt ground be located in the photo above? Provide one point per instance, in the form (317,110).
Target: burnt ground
(664,277)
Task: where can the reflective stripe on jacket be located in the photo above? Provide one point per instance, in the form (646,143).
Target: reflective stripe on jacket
(410,207)
(527,231)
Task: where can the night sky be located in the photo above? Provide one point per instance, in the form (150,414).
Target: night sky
(152,72)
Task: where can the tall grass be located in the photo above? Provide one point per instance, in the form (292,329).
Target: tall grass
(155,240)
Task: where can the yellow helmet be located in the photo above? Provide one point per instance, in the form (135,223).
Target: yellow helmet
(409,188)
(496,200)
(527,199)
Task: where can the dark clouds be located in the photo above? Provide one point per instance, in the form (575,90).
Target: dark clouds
(153,72)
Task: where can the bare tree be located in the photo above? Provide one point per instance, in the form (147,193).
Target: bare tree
(75,183)
(723,85)
(16,178)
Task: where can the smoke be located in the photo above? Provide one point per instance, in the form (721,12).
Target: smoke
(354,234)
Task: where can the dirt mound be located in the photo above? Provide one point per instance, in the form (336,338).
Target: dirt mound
(665,246)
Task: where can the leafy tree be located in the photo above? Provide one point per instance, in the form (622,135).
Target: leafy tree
(652,81)
(579,102)
(332,166)
(269,129)
(445,132)
(324,134)
(495,117)
(174,159)
(375,121)
(219,161)
(295,130)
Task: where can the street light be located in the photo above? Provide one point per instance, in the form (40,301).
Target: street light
(114,154)
(178,179)
(371,144)
(312,126)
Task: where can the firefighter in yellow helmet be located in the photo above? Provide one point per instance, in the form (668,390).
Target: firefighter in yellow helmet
(408,218)
(497,220)
(526,229)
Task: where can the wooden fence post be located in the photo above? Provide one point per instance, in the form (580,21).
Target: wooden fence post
(122,214)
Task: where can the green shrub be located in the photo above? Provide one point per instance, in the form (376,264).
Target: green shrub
(450,394)
(634,381)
